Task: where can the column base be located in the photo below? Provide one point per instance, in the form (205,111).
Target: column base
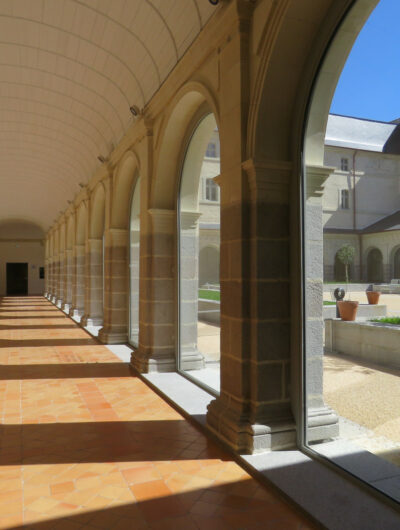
(112,337)
(323,424)
(53,299)
(192,360)
(75,313)
(91,321)
(59,303)
(145,364)
(66,307)
(243,436)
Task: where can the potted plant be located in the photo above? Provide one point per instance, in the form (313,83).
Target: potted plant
(347,308)
(373,296)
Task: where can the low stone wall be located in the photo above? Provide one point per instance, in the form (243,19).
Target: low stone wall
(387,288)
(352,287)
(378,343)
(209,311)
(364,311)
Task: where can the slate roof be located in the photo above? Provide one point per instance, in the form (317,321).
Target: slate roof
(359,133)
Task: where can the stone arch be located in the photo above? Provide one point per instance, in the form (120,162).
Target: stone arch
(276,120)
(374,266)
(190,105)
(125,178)
(395,262)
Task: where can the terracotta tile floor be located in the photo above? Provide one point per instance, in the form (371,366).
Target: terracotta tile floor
(85,444)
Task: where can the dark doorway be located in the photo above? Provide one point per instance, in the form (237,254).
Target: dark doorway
(17,278)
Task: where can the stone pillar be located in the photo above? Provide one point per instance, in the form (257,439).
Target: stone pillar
(116,294)
(78,282)
(56,276)
(67,302)
(322,422)
(61,280)
(157,340)
(190,357)
(93,283)
(253,411)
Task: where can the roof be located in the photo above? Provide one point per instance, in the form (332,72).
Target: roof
(390,222)
(359,133)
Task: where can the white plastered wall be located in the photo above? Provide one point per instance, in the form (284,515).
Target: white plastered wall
(31,252)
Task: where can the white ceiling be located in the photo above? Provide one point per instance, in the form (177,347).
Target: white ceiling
(69,71)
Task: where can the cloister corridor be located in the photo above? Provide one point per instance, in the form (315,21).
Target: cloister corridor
(87,444)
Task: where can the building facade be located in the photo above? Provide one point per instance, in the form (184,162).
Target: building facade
(361,200)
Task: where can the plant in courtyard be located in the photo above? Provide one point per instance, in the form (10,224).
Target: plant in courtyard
(346,256)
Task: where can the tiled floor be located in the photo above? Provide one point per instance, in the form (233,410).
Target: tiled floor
(85,444)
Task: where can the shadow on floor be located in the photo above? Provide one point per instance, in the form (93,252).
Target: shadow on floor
(234,505)
(21,327)
(47,343)
(103,441)
(9,372)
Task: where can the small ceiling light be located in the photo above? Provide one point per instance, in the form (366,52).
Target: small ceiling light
(135,111)
(214,2)
(101,159)
(81,185)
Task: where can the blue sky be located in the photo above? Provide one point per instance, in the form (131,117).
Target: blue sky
(370,83)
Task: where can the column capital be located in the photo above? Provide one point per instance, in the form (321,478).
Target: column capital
(316,177)
(269,177)
(163,219)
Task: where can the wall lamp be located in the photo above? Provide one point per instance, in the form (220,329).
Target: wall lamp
(135,111)
(214,2)
(101,159)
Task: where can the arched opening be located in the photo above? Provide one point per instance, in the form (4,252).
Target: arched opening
(342,171)
(78,288)
(134,266)
(396,264)
(95,261)
(199,223)
(375,266)
(339,269)
(70,238)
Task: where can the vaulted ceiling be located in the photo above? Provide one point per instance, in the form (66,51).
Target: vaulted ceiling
(69,71)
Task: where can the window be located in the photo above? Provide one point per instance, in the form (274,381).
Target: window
(211,190)
(211,150)
(344,164)
(344,199)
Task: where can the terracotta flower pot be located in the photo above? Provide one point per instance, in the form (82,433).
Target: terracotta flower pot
(373,297)
(348,309)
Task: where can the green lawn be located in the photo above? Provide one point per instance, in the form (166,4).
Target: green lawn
(209,295)
(329,303)
(387,320)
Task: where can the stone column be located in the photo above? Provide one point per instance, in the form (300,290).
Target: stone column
(61,280)
(322,422)
(157,340)
(56,276)
(253,411)
(190,357)
(93,283)
(67,303)
(78,282)
(116,294)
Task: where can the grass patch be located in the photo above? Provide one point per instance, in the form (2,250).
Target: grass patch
(329,303)
(209,295)
(387,320)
